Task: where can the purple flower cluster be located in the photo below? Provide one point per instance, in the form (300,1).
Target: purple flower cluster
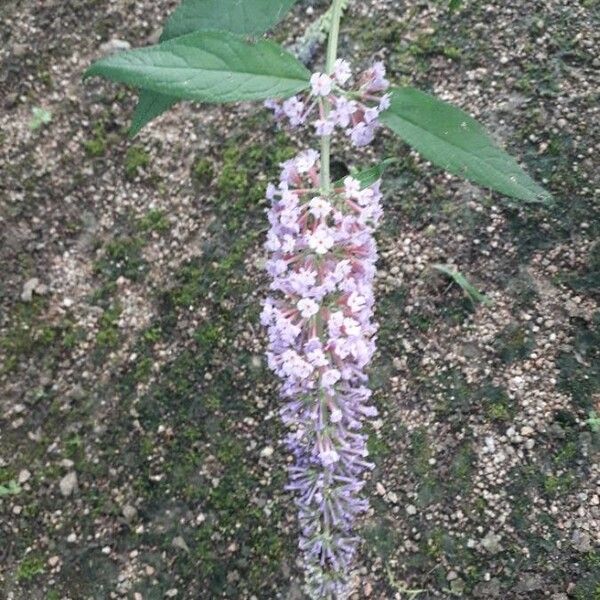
(322,258)
(356,112)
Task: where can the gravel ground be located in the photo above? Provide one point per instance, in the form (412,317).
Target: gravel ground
(139,440)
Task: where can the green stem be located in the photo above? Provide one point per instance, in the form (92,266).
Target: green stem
(332,48)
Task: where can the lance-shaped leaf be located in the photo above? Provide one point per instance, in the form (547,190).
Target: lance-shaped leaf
(250,17)
(451,139)
(150,105)
(370,176)
(211,66)
(472,292)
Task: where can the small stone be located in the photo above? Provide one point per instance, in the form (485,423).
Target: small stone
(53,561)
(392,497)
(24,476)
(27,293)
(114,45)
(411,510)
(233,576)
(267,452)
(68,484)
(581,541)
(67,463)
(491,542)
(457,586)
(529,582)
(17,510)
(487,589)
(11,100)
(19,50)
(380,489)
(179,542)
(130,512)
(527,431)
(72,538)
(171,593)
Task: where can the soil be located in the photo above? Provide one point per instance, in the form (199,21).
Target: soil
(140,447)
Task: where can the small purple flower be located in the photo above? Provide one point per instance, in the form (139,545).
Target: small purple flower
(321,240)
(342,71)
(324,127)
(362,134)
(293,109)
(308,307)
(356,112)
(321,84)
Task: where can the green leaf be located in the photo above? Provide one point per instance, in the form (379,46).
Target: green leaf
(369,176)
(451,139)
(454,5)
(255,17)
(150,105)
(210,66)
(12,489)
(40,116)
(472,292)
(594,421)
(250,17)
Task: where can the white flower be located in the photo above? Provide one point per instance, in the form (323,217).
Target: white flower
(330,378)
(319,208)
(308,308)
(385,102)
(341,71)
(356,302)
(336,415)
(321,84)
(272,244)
(317,358)
(351,326)
(306,160)
(321,241)
(329,457)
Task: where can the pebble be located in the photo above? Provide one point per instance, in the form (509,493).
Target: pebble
(267,452)
(29,287)
(130,512)
(114,45)
(68,484)
(179,542)
(491,542)
(24,476)
(581,541)
(53,561)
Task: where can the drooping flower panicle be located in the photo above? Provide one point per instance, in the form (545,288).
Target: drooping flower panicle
(322,258)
